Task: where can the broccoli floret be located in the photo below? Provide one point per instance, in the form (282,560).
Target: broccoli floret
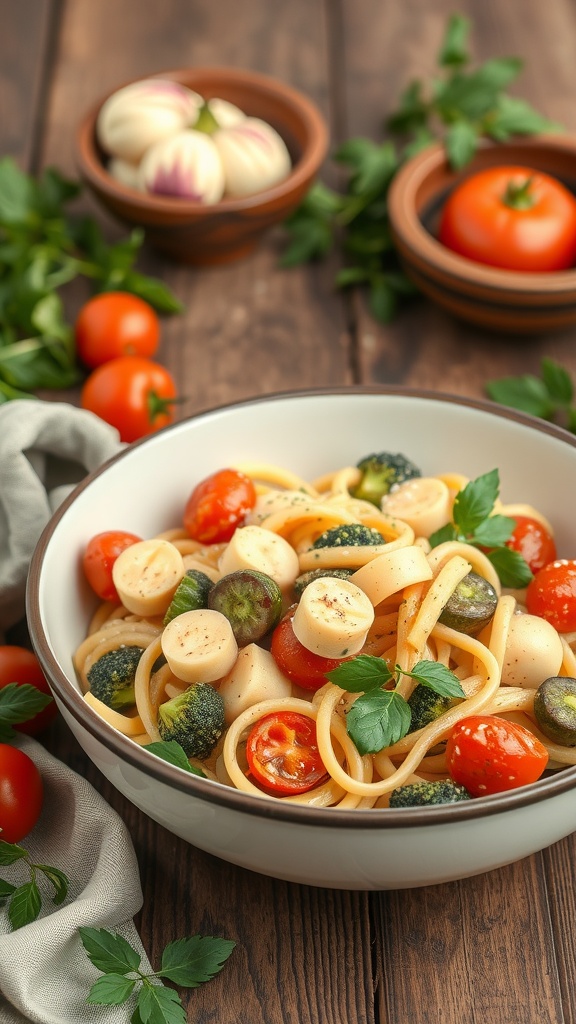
(194,719)
(349,535)
(380,472)
(426,706)
(111,678)
(424,794)
(302,581)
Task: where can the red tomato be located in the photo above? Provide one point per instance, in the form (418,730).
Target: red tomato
(533,541)
(296,662)
(511,217)
(20,794)
(487,754)
(115,324)
(99,556)
(283,755)
(19,665)
(134,394)
(552,595)
(218,505)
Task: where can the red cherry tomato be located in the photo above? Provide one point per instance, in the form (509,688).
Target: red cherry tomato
(511,217)
(115,324)
(99,556)
(487,754)
(283,754)
(19,665)
(533,541)
(295,661)
(552,595)
(133,394)
(218,505)
(20,794)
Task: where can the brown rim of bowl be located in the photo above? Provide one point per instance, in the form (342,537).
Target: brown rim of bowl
(204,789)
(307,165)
(411,233)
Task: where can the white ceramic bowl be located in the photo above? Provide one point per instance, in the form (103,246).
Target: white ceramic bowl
(143,489)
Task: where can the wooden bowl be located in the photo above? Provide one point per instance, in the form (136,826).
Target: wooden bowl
(195,233)
(504,300)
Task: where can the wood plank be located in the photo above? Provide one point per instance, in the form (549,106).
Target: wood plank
(25,59)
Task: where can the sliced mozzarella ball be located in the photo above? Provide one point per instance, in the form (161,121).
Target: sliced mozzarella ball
(254,676)
(533,652)
(390,572)
(253,547)
(333,617)
(199,646)
(278,501)
(146,576)
(424,503)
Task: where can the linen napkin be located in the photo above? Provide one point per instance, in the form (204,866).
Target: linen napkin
(45,449)
(45,974)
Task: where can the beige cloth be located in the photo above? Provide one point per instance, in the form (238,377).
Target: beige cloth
(45,974)
(45,449)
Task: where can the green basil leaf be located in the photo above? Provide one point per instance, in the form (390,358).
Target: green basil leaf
(377,720)
(310,239)
(441,536)
(361,674)
(461,143)
(494,531)
(159,1005)
(25,905)
(153,291)
(557,381)
(47,317)
(373,165)
(475,502)
(6,889)
(11,852)
(192,961)
(454,50)
(109,952)
(527,393)
(511,567)
(58,880)
(514,116)
(111,990)
(171,751)
(20,702)
(437,677)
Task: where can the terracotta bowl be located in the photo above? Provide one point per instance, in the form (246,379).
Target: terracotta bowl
(194,233)
(504,300)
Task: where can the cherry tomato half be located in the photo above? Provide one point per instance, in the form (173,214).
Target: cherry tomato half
(511,217)
(487,754)
(552,595)
(115,324)
(21,794)
(217,505)
(283,755)
(19,665)
(100,553)
(533,541)
(133,394)
(295,661)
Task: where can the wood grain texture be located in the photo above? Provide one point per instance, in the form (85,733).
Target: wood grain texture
(497,949)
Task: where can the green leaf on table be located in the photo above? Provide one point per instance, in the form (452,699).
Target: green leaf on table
(557,382)
(173,753)
(511,567)
(47,317)
(436,677)
(360,674)
(25,905)
(109,952)
(382,300)
(160,1005)
(16,193)
(111,990)
(378,719)
(527,393)
(192,961)
(153,291)
(372,165)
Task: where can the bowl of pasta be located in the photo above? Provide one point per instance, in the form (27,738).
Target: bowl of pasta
(360,648)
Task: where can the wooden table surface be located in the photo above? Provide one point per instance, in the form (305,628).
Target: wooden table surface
(496,949)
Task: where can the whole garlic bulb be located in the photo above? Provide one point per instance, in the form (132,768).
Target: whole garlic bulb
(253,155)
(135,117)
(185,165)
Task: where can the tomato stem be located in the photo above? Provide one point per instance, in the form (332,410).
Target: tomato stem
(158,405)
(519,195)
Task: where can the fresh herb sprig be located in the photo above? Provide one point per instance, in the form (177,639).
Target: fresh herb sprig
(474,523)
(458,107)
(381,717)
(549,396)
(25,901)
(187,963)
(42,248)
(18,703)
(173,753)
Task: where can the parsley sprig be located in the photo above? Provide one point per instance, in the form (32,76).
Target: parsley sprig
(474,523)
(18,703)
(187,962)
(549,396)
(458,107)
(42,248)
(25,901)
(381,717)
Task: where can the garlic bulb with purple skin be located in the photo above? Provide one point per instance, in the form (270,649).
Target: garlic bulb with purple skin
(186,165)
(253,155)
(141,114)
